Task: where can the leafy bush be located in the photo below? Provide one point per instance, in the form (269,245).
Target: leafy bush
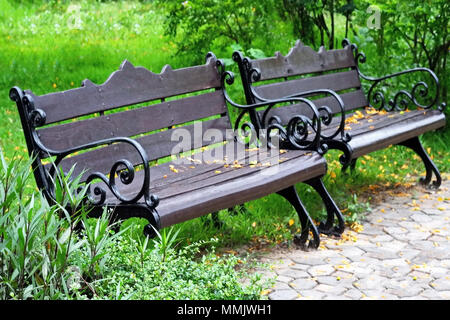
(37,240)
(199,24)
(176,276)
(44,256)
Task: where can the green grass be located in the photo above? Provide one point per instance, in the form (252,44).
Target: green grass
(39,51)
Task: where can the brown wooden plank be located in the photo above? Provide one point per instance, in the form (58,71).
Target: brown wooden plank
(243,188)
(302,59)
(133,122)
(334,81)
(215,173)
(381,121)
(157,145)
(395,132)
(182,199)
(352,100)
(127,86)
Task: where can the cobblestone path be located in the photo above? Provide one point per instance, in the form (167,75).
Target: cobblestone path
(403,252)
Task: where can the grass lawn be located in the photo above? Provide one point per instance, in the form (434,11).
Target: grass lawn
(54,46)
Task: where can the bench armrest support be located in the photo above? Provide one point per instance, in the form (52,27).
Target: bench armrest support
(419,92)
(251,74)
(122,167)
(294,135)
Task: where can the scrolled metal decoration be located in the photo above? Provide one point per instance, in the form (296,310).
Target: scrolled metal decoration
(252,74)
(126,177)
(402,98)
(36,117)
(245,133)
(326,114)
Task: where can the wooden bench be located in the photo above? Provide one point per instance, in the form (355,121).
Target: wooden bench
(357,123)
(130,139)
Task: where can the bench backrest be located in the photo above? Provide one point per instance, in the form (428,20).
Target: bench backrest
(304,69)
(115,109)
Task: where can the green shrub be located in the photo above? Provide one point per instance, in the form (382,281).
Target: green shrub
(43,256)
(178,276)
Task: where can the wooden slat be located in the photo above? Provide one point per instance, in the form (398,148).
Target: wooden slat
(393,132)
(127,86)
(133,122)
(157,145)
(193,192)
(352,100)
(302,60)
(238,188)
(335,81)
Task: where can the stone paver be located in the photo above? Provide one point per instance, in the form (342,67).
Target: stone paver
(403,252)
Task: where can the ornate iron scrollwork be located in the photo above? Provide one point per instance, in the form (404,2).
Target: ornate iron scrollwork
(295,135)
(251,74)
(402,98)
(123,168)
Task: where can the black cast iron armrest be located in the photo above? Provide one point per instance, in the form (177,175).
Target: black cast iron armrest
(123,167)
(419,91)
(294,135)
(326,115)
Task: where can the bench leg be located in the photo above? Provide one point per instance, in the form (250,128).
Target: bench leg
(232,211)
(333,211)
(123,212)
(346,158)
(291,195)
(351,164)
(430,167)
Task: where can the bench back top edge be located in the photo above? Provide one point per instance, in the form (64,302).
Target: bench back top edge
(127,86)
(151,125)
(304,61)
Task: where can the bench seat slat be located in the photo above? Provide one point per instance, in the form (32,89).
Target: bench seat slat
(133,122)
(395,130)
(193,192)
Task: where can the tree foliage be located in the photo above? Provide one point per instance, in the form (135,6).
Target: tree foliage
(196,25)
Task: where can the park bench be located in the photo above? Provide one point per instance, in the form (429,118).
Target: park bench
(357,123)
(161,147)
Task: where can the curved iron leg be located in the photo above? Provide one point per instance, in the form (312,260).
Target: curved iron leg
(346,158)
(332,209)
(291,195)
(232,211)
(430,167)
(353,164)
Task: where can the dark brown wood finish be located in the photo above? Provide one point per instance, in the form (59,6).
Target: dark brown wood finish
(157,145)
(197,188)
(127,86)
(352,100)
(334,81)
(304,70)
(303,60)
(133,122)
(392,129)
(185,112)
